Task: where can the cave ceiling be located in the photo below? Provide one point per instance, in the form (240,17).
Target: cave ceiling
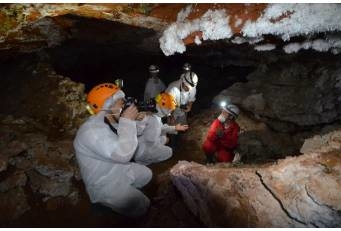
(171,27)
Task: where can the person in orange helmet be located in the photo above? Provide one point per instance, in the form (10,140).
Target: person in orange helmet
(152,132)
(105,145)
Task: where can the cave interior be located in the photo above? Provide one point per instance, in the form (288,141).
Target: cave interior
(97,51)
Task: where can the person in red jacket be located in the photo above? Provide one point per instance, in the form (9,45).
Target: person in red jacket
(222,137)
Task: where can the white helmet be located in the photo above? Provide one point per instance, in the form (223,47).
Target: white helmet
(190,78)
(153,69)
(232,110)
(187,67)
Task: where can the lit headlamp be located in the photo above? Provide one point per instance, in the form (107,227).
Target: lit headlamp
(223,104)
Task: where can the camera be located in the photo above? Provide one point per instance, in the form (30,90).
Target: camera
(141,105)
(183,106)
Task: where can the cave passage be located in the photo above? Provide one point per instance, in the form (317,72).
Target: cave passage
(93,61)
(98,64)
(98,51)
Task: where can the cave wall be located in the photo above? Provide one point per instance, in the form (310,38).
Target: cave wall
(293,91)
(32,90)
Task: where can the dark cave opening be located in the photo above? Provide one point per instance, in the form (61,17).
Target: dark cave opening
(93,64)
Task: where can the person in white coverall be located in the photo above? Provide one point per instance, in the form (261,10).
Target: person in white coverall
(152,132)
(154,84)
(105,145)
(184,91)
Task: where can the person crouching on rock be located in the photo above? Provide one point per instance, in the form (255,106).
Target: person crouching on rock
(105,145)
(152,132)
(222,137)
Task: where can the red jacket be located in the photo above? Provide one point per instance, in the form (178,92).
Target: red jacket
(229,139)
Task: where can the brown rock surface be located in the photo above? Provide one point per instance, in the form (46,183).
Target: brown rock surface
(299,191)
(28,27)
(45,101)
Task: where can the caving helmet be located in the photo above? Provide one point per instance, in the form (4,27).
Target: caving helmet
(97,96)
(190,78)
(187,67)
(231,109)
(154,69)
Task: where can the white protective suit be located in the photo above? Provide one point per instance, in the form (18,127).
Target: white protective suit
(153,87)
(181,97)
(152,139)
(104,160)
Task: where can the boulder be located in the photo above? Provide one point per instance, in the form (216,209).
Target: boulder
(301,191)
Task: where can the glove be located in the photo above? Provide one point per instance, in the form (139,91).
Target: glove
(219,133)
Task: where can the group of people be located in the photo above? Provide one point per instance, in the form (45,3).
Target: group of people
(116,143)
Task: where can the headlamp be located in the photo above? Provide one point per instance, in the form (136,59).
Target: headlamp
(119,83)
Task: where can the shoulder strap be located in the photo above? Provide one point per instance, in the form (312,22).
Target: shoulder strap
(110,126)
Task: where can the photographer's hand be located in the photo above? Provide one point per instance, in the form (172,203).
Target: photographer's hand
(130,113)
(140,116)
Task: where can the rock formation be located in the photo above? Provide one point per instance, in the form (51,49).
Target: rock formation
(295,192)
(29,27)
(31,152)
(42,98)
(285,95)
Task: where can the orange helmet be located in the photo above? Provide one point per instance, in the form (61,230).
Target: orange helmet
(165,100)
(99,94)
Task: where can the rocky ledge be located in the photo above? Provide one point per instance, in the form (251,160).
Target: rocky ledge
(301,191)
